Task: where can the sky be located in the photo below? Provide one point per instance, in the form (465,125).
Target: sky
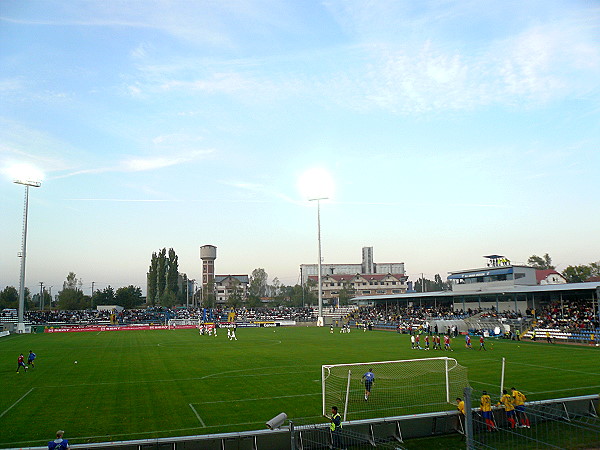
(448,130)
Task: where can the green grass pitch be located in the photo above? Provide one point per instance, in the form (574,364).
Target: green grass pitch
(148,384)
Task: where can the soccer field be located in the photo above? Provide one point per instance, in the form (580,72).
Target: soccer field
(147,384)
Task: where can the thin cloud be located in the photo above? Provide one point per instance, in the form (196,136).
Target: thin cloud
(260,189)
(126,200)
(139,164)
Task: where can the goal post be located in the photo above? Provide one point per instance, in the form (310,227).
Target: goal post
(401,387)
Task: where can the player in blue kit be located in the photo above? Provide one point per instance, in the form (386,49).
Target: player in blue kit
(30,358)
(369,378)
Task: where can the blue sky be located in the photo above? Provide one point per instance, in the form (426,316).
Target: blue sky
(450,129)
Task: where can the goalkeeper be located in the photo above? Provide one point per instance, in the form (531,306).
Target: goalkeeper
(369,379)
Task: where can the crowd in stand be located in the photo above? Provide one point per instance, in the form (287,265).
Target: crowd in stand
(569,316)
(162,315)
(566,317)
(394,314)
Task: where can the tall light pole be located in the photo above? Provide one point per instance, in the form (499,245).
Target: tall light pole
(23,254)
(319,282)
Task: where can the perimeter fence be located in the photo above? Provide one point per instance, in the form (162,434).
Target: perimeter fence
(567,423)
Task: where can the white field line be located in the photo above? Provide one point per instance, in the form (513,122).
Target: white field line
(256,399)
(227,374)
(198,416)
(562,390)
(15,403)
(553,368)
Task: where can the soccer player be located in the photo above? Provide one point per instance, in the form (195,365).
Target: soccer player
(485,405)
(460,404)
(437,342)
(233,336)
(21,363)
(30,358)
(482,343)
(519,402)
(468,341)
(412,341)
(369,378)
(447,343)
(426,342)
(59,443)
(509,408)
(417,343)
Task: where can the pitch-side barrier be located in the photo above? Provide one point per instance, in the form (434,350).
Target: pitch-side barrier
(388,432)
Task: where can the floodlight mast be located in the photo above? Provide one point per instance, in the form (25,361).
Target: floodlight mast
(23,254)
(319,282)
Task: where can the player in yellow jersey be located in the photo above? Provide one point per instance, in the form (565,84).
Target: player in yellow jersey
(519,402)
(509,408)
(460,404)
(486,411)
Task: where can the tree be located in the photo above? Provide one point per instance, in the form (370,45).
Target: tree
(595,269)
(208,295)
(258,283)
(72,299)
(163,278)
(172,272)
(152,279)
(440,285)
(577,274)
(161,275)
(105,296)
(128,297)
(235,298)
(9,297)
(276,288)
(346,293)
(253,301)
(168,299)
(72,282)
(541,263)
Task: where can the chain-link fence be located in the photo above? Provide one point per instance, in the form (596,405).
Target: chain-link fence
(314,437)
(570,423)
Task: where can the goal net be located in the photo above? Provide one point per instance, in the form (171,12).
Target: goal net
(400,387)
(174,323)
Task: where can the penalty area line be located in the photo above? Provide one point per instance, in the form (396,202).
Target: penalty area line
(198,416)
(15,403)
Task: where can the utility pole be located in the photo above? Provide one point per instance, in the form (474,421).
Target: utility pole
(41,295)
(50,289)
(92,297)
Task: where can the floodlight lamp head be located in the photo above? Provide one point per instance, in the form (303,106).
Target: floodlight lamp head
(276,421)
(32,183)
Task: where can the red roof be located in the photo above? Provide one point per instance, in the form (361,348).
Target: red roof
(543,274)
(593,279)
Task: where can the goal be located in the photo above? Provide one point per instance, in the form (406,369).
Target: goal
(401,387)
(174,323)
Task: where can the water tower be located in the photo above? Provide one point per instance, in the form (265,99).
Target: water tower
(208,254)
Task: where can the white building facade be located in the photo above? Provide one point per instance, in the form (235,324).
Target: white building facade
(367,278)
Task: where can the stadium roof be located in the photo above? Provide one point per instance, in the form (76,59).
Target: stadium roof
(587,286)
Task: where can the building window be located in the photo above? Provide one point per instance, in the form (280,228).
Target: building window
(366,292)
(396,291)
(380,291)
